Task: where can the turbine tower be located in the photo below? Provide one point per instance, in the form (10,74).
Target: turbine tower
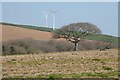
(46,18)
(53,16)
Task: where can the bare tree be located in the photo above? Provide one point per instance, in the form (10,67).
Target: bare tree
(76,31)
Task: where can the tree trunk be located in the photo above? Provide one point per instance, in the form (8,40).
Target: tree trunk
(75,49)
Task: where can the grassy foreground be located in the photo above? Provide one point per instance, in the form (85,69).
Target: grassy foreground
(80,64)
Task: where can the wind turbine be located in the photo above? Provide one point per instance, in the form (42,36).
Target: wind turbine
(53,16)
(46,17)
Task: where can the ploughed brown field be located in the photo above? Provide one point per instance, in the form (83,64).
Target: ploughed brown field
(12,33)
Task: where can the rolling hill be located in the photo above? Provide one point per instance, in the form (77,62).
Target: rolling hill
(71,64)
(28,27)
(10,32)
(17,31)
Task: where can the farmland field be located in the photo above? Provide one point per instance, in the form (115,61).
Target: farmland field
(13,33)
(79,64)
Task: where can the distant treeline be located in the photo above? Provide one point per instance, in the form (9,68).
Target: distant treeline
(30,46)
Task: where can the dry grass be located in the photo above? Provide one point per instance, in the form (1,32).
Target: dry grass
(81,64)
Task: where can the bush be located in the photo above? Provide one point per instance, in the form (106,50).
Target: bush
(47,48)
(61,45)
(93,45)
(30,46)
(19,50)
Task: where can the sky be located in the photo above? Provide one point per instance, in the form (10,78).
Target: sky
(102,14)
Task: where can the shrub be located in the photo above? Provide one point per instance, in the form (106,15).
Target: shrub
(64,46)
(47,48)
(30,46)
